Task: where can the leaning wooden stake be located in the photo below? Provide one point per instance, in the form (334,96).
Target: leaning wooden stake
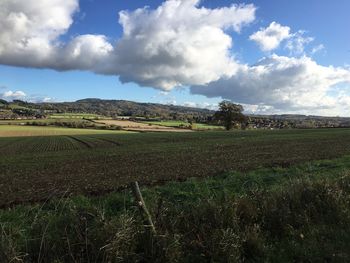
(142,206)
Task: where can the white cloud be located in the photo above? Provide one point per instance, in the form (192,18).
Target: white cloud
(283,83)
(202,105)
(47,99)
(39,99)
(296,44)
(179,43)
(258,109)
(21,95)
(317,49)
(270,38)
(84,52)
(30,29)
(13,95)
(171,102)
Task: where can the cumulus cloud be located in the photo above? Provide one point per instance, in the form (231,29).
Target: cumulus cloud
(84,52)
(203,105)
(29,30)
(13,95)
(179,43)
(269,38)
(21,95)
(284,83)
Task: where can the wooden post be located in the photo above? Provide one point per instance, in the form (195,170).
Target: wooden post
(142,206)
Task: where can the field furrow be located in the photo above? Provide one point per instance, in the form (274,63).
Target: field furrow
(31,167)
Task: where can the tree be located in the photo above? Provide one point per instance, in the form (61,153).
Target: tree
(4,102)
(229,114)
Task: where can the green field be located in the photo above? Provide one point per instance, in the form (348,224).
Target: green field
(195,126)
(295,214)
(75,116)
(36,168)
(242,196)
(42,121)
(18,131)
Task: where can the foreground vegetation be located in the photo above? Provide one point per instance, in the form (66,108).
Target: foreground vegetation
(295,214)
(38,168)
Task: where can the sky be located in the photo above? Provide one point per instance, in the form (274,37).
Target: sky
(271,56)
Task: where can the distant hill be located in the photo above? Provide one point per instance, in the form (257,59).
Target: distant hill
(114,108)
(117,108)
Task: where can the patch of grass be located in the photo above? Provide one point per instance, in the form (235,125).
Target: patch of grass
(195,126)
(203,126)
(168,123)
(16,106)
(295,214)
(76,116)
(16,130)
(48,120)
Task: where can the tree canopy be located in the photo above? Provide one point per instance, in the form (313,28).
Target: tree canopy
(229,114)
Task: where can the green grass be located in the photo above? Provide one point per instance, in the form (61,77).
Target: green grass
(295,214)
(202,126)
(195,126)
(17,130)
(16,106)
(37,168)
(64,122)
(76,116)
(48,121)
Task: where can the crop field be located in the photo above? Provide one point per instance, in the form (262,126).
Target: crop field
(42,121)
(38,168)
(19,131)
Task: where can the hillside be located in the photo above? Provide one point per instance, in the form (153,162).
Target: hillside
(113,108)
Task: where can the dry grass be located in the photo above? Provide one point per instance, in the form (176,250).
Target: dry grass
(20,131)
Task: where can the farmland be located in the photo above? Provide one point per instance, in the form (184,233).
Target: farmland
(195,126)
(49,122)
(141,126)
(74,116)
(240,196)
(37,168)
(19,131)
(275,214)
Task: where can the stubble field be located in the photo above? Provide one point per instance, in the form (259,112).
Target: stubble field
(29,131)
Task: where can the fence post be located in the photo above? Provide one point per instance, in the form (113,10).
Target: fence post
(142,206)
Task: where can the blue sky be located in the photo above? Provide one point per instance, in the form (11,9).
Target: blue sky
(324,23)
